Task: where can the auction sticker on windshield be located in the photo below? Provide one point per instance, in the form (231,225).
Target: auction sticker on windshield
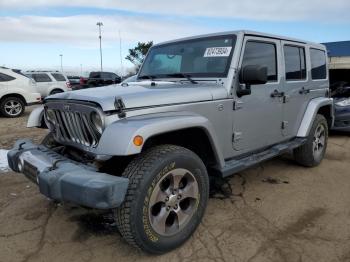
(217,51)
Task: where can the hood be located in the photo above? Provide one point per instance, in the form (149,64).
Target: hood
(144,94)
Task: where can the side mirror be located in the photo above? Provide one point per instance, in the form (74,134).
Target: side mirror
(251,75)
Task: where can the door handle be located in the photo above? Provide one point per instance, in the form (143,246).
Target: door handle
(277,94)
(304,91)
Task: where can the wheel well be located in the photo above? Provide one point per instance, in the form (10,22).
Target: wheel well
(326,111)
(14,95)
(56,89)
(194,139)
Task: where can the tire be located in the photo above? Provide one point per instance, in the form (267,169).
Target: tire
(312,152)
(153,175)
(56,91)
(12,107)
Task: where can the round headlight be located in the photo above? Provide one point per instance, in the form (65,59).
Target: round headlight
(97,121)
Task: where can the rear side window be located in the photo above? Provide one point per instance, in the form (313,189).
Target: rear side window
(58,77)
(6,78)
(106,75)
(95,75)
(263,54)
(294,58)
(318,64)
(41,78)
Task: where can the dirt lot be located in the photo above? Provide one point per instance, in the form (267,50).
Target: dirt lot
(277,212)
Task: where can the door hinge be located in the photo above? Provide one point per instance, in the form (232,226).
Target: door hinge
(236,136)
(284,124)
(237,105)
(286,99)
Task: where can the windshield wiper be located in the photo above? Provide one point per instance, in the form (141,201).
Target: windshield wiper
(147,77)
(188,77)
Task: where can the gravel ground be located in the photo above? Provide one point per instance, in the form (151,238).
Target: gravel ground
(277,211)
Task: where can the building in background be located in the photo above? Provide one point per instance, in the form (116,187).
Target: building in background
(339,61)
(339,54)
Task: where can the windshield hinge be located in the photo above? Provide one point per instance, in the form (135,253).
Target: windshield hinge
(237,105)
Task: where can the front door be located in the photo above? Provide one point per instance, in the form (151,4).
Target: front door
(257,117)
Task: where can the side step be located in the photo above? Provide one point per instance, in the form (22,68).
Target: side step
(236,165)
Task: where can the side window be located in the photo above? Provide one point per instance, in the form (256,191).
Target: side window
(58,77)
(6,78)
(104,75)
(264,54)
(109,76)
(95,75)
(318,64)
(41,78)
(294,59)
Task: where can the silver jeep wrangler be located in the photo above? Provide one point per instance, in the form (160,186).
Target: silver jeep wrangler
(206,105)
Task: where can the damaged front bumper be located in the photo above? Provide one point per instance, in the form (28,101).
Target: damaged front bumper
(65,180)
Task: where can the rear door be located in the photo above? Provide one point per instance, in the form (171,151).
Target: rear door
(4,83)
(257,117)
(43,82)
(296,86)
(61,80)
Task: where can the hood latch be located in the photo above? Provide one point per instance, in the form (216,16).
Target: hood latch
(119,107)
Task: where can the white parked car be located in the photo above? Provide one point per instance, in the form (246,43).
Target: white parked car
(50,82)
(16,92)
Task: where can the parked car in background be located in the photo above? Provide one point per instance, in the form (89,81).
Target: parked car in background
(50,82)
(96,79)
(16,92)
(340,91)
(74,81)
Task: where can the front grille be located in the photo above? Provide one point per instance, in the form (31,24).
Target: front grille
(72,124)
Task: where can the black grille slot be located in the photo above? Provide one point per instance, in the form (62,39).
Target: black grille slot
(75,127)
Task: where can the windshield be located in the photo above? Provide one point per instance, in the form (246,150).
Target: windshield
(204,57)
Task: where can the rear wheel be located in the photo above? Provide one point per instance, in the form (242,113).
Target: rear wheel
(167,196)
(12,107)
(313,151)
(56,91)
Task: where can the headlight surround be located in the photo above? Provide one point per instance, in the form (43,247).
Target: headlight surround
(345,102)
(97,121)
(50,116)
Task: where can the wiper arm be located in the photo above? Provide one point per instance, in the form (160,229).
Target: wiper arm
(188,77)
(147,77)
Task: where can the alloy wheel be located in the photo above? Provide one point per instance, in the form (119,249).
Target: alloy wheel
(319,141)
(13,108)
(173,202)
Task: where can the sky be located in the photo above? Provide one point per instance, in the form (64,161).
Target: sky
(34,33)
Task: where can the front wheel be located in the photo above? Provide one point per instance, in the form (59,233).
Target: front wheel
(166,199)
(12,107)
(312,152)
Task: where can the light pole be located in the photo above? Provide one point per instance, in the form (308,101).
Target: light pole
(99,24)
(120,53)
(61,63)
(81,69)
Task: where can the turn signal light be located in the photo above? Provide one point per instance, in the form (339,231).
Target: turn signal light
(138,140)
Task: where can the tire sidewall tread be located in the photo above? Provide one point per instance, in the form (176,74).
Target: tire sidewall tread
(304,154)
(132,217)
